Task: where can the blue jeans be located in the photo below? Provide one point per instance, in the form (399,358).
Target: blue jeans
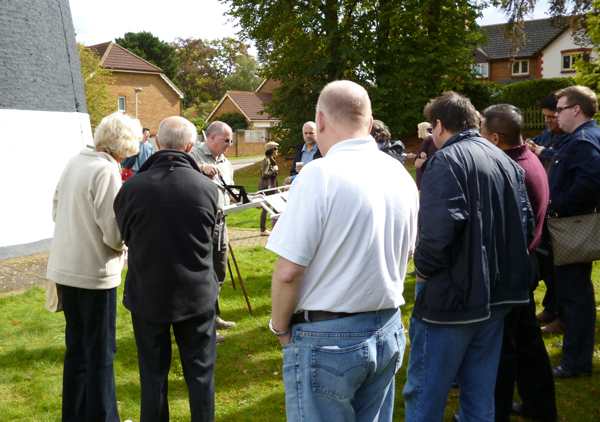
(439,353)
(343,369)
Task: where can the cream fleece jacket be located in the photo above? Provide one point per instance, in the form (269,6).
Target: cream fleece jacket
(87,248)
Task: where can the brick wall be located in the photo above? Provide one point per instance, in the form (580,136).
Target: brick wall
(502,69)
(243,148)
(156,102)
(226,107)
(267,88)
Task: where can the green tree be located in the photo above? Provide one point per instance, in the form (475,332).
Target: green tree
(588,71)
(152,49)
(234,120)
(404,53)
(205,65)
(246,76)
(100,102)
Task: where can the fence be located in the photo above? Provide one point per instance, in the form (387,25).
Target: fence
(533,118)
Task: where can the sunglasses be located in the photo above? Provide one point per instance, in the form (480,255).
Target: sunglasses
(227,141)
(559,109)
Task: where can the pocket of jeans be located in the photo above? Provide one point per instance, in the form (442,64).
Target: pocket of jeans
(338,372)
(401,341)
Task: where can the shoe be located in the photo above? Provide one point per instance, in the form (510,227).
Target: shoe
(517,408)
(265,232)
(223,325)
(220,338)
(555,327)
(544,318)
(561,372)
(455,417)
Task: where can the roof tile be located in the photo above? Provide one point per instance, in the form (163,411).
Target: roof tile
(252,103)
(538,34)
(113,56)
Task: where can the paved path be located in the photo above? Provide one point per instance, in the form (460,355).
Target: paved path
(18,274)
(240,163)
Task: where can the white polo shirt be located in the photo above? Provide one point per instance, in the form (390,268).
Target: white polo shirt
(351,219)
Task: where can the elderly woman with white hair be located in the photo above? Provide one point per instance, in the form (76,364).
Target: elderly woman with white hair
(86,260)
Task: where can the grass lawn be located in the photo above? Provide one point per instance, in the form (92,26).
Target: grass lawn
(248,377)
(249,384)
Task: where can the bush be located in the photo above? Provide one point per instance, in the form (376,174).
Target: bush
(234,120)
(530,93)
(525,94)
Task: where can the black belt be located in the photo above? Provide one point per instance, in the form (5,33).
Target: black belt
(316,316)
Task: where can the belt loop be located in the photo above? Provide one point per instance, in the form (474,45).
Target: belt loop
(306,317)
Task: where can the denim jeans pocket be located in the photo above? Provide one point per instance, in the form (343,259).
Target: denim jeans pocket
(338,372)
(401,341)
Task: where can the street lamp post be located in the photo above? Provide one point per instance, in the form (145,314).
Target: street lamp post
(136,101)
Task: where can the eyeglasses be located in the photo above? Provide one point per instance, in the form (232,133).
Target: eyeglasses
(227,141)
(559,109)
(430,130)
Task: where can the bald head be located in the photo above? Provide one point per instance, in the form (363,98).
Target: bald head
(176,133)
(346,104)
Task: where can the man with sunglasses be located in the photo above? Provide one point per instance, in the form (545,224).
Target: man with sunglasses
(574,177)
(210,156)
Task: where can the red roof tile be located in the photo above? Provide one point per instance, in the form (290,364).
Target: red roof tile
(113,56)
(252,103)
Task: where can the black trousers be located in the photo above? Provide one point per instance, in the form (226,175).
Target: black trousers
(196,339)
(524,359)
(89,392)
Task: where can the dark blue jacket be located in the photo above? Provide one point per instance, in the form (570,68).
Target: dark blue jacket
(545,140)
(574,173)
(475,222)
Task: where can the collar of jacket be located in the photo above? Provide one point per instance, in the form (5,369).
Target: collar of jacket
(169,157)
(472,134)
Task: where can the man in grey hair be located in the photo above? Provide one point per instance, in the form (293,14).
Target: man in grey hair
(167,216)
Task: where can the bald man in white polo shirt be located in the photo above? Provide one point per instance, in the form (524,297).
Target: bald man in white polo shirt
(337,285)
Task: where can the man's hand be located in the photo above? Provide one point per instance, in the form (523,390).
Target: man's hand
(532,146)
(299,166)
(411,156)
(285,340)
(211,170)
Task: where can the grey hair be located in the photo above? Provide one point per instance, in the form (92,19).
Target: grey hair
(176,133)
(118,135)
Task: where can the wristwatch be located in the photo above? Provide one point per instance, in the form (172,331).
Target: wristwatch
(278,333)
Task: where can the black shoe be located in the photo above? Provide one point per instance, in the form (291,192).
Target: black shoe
(517,408)
(455,417)
(561,372)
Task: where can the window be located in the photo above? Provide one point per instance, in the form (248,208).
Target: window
(520,67)
(481,70)
(122,104)
(568,59)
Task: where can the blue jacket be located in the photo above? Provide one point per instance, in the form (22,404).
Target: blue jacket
(475,223)
(544,139)
(574,173)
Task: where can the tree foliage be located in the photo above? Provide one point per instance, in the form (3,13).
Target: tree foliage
(588,72)
(403,53)
(206,66)
(100,102)
(152,49)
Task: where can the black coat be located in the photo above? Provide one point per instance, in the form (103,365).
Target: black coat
(475,223)
(167,214)
(298,157)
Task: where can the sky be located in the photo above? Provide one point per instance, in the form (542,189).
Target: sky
(96,23)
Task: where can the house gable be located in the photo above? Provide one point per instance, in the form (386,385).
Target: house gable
(249,104)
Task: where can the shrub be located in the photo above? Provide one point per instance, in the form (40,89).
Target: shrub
(529,93)
(234,120)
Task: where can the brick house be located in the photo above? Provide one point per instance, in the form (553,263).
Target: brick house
(250,104)
(156,97)
(548,52)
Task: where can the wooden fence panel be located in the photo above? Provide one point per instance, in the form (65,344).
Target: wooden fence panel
(533,118)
